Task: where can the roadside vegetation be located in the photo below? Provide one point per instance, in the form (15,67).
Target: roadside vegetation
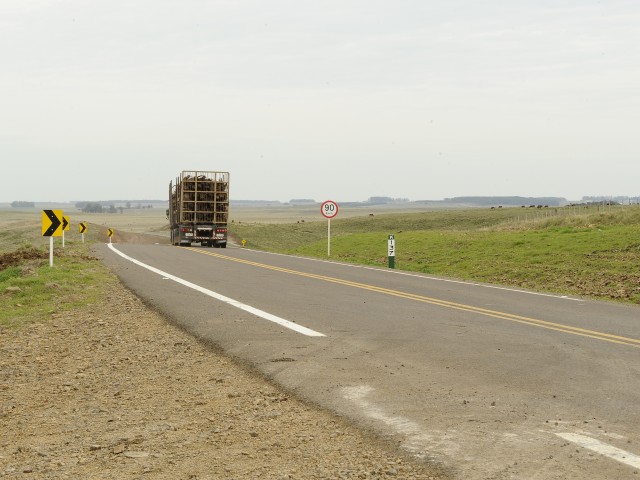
(31,290)
(575,251)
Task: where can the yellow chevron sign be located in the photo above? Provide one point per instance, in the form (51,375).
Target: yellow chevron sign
(82,227)
(66,225)
(52,223)
(110,232)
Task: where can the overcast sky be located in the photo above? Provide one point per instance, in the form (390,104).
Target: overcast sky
(332,99)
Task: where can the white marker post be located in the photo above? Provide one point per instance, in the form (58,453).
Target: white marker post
(329,209)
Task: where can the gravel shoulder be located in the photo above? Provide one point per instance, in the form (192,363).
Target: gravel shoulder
(116,391)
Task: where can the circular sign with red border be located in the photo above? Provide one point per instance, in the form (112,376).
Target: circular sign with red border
(329,209)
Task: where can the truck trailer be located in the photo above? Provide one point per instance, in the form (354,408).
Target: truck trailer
(199,208)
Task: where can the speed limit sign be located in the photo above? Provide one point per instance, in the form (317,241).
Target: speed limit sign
(329,209)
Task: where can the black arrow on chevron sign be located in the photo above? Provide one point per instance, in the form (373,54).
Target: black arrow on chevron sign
(55,223)
(65,224)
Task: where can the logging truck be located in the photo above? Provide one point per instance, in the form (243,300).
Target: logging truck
(199,208)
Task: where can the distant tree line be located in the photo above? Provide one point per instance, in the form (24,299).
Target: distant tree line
(261,203)
(615,200)
(138,205)
(23,204)
(97,207)
(387,200)
(105,207)
(513,201)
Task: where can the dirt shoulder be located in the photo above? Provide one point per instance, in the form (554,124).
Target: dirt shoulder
(115,391)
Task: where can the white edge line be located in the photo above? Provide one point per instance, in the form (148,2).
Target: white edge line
(247,308)
(426,277)
(602,448)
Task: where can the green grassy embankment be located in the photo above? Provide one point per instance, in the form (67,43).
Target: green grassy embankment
(592,252)
(31,290)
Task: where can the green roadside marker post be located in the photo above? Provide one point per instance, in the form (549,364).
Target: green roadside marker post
(391,244)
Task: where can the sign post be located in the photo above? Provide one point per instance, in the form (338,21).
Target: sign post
(65,226)
(329,209)
(110,233)
(392,251)
(51,227)
(82,226)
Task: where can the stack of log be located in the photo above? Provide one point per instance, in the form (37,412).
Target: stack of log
(204,199)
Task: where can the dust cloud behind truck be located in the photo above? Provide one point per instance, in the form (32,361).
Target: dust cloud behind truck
(199,208)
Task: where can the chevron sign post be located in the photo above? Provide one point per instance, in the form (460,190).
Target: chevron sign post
(52,221)
(82,227)
(65,226)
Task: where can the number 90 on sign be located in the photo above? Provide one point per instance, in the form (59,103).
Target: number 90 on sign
(329,209)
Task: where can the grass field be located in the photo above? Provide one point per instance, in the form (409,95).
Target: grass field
(592,252)
(31,290)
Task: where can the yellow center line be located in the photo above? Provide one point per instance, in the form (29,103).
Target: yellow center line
(607,337)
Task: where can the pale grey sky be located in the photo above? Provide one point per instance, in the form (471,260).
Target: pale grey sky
(339,99)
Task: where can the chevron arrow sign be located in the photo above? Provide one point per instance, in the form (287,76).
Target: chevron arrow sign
(52,223)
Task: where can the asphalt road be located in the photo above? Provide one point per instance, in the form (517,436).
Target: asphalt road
(491,382)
